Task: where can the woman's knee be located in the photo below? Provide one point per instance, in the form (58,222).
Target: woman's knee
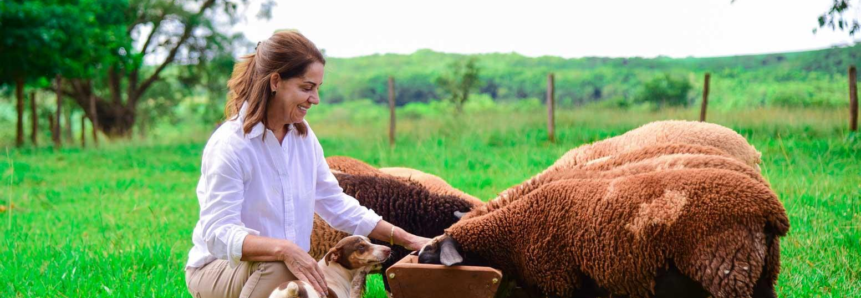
(265,278)
(276,271)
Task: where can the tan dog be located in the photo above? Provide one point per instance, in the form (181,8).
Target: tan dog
(345,268)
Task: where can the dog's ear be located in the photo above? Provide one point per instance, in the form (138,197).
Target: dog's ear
(332,255)
(448,252)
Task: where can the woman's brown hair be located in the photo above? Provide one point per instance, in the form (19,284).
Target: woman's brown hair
(287,53)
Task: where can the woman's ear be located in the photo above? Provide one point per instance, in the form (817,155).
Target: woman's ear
(274,80)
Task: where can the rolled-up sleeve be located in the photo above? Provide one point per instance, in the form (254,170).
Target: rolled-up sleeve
(221,193)
(340,210)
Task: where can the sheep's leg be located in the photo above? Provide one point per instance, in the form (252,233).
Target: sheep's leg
(765,285)
(727,264)
(672,283)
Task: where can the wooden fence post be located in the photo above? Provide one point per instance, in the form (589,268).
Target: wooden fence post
(50,123)
(57,127)
(84,130)
(95,120)
(551,105)
(853,99)
(67,132)
(705,98)
(19,106)
(391,111)
(34,120)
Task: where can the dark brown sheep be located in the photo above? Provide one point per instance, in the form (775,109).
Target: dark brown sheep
(673,233)
(405,204)
(431,182)
(324,237)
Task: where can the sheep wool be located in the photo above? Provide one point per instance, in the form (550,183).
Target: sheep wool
(655,164)
(432,182)
(323,238)
(349,165)
(662,132)
(598,165)
(718,227)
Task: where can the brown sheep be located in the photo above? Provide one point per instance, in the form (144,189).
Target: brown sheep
(673,233)
(603,164)
(432,182)
(663,132)
(655,164)
(349,165)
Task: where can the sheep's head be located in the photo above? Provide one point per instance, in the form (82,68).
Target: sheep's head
(441,250)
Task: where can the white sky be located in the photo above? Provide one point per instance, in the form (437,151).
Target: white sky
(576,28)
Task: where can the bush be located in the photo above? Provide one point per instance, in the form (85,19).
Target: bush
(665,91)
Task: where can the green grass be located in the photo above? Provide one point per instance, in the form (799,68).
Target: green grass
(117,221)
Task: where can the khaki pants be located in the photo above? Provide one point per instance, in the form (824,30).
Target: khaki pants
(248,280)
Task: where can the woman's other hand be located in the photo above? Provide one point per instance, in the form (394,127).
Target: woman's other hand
(304,267)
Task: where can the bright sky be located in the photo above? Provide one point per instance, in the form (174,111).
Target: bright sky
(574,28)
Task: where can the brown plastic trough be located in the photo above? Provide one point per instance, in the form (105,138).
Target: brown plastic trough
(409,279)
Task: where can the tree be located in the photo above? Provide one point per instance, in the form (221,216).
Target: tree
(187,32)
(461,79)
(42,38)
(27,49)
(665,90)
(835,18)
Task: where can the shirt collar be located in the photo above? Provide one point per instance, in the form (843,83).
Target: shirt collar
(258,128)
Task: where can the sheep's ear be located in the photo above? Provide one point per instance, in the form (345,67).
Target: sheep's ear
(459,214)
(448,253)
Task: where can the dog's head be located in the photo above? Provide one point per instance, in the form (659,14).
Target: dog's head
(355,252)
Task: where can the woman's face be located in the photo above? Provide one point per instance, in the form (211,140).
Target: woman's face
(294,96)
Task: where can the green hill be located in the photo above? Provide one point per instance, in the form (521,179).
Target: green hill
(811,78)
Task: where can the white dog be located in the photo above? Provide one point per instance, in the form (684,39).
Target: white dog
(345,268)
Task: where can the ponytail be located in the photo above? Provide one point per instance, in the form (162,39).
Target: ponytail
(239,85)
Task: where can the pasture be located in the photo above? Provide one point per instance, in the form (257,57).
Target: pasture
(117,221)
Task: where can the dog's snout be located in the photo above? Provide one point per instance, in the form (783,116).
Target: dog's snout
(383,253)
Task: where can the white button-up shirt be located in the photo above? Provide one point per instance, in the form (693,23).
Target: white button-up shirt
(254,185)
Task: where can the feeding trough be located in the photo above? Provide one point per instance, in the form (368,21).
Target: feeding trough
(409,279)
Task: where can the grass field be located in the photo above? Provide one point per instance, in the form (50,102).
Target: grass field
(117,221)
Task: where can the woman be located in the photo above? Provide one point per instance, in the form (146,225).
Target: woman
(263,176)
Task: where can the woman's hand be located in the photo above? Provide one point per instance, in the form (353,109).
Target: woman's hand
(304,267)
(385,231)
(415,243)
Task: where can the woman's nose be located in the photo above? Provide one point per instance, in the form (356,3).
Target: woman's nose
(315,98)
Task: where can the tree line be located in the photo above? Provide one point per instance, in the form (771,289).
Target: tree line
(127,63)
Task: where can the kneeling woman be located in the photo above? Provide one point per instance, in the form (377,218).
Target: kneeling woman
(264,175)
